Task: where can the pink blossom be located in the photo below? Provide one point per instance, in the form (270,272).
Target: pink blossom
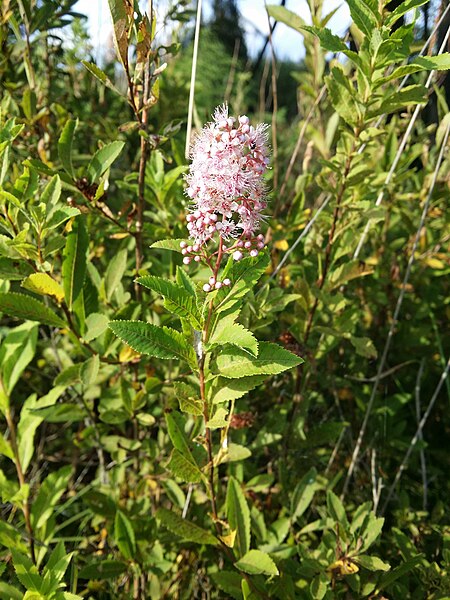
(225,180)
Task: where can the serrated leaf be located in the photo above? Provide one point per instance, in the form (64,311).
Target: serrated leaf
(75,261)
(42,283)
(65,146)
(364,17)
(169,245)
(402,9)
(413,94)
(256,562)
(228,332)
(271,360)
(218,420)
(188,399)
(103,159)
(184,528)
(243,275)
(342,96)
(49,493)
(225,389)
(26,571)
(161,342)
(371,563)
(28,308)
(238,515)
(183,468)
(176,429)
(5,448)
(229,582)
(176,299)
(124,535)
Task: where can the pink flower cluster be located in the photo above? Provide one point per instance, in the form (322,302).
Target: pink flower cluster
(225,184)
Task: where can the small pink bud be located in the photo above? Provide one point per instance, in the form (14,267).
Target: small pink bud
(183,244)
(237,255)
(260,237)
(197,214)
(212,280)
(206,287)
(218,285)
(195,247)
(190,218)
(240,244)
(230,121)
(197,258)
(254,253)
(226,281)
(260,245)
(189,248)
(244,120)
(245,128)
(213,218)
(184,251)
(190,226)
(223,124)
(248,245)
(186,260)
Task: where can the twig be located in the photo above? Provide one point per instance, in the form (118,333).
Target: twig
(193,73)
(394,318)
(377,484)
(274,106)
(416,436)
(423,463)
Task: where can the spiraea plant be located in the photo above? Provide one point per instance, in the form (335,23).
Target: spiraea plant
(224,360)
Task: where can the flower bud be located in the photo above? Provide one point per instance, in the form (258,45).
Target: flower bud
(237,255)
(206,287)
(186,260)
(226,281)
(254,253)
(218,285)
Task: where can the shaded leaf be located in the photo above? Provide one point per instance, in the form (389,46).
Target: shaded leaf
(183,528)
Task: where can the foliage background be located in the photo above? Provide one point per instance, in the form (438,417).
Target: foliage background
(88,183)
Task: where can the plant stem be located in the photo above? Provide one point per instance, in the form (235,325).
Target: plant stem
(21,477)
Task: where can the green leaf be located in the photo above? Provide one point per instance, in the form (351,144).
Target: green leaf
(218,420)
(10,198)
(271,360)
(105,569)
(256,562)
(183,528)
(243,275)
(26,429)
(183,468)
(49,493)
(62,413)
(65,146)
(229,582)
(365,17)
(402,9)
(227,331)
(224,390)
(169,245)
(100,75)
(328,40)
(8,592)
(42,283)
(26,572)
(420,63)
(96,324)
(188,399)
(176,299)
(28,308)
(114,272)
(336,509)
(413,94)
(75,261)
(371,563)
(404,568)
(303,493)
(176,429)
(289,18)
(124,535)
(161,342)
(371,531)
(5,448)
(238,515)
(103,159)
(51,194)
(342,96)
(16,352)
(89,370)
